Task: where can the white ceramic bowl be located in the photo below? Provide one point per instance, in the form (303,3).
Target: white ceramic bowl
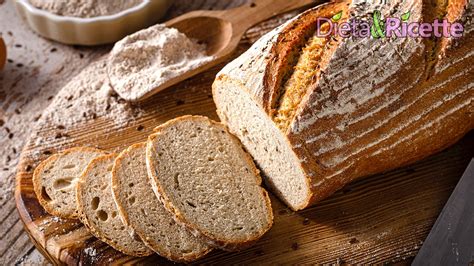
(96,30)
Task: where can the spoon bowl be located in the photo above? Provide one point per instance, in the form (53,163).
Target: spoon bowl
(216,37)
(221,31)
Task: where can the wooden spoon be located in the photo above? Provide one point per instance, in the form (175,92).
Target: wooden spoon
(222,30)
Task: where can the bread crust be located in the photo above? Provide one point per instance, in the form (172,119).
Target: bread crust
(124,214)
(37,182)
(291,39)
(179,218)
(81,211)
(320,121)
(388,154)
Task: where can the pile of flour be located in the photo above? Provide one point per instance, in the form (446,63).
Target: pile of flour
(86,98)
(149,58)
(84,8)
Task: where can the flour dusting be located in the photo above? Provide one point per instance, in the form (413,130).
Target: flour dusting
(87,97)
(149,58)
(85,8)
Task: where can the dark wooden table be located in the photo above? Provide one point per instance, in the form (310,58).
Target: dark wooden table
(36,70)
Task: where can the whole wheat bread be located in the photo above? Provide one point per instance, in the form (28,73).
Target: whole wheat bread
(316,114)
(143,212)
(55,180)
(98,211)
(206,179)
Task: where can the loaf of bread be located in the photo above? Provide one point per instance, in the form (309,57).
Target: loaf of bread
(99,212)
(319,112)
(143,212)
(205,178)
(55,179)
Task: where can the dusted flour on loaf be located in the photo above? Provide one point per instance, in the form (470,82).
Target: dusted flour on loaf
(372,104)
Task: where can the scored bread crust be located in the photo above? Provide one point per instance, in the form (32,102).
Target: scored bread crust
(179,218)
(258,72)
(288,43)
(124,214)
(401,147)
(37,181)
(319,124)
(92,229)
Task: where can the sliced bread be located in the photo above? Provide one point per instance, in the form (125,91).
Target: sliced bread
(55,179)
(143,212)
(204,177)
(98,211)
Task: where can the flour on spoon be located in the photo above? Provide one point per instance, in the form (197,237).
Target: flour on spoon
(147,59)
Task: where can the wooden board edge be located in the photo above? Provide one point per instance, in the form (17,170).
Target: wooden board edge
(30,228)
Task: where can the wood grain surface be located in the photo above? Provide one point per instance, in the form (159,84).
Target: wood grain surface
(450,241)
(35,71)
(379,219)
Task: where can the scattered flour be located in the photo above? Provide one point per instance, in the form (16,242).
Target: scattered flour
(87,97)
(85,8)
(147,59)
(92,253)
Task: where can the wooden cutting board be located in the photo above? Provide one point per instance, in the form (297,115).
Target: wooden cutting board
(383,218)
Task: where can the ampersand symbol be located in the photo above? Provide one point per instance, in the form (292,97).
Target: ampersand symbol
(378,27)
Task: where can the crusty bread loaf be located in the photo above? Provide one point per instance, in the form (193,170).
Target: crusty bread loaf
(143,212)
(366,106)
(98,211)
(55,180)
(205,178)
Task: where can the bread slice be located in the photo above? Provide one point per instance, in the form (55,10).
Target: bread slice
(206,179)
(98,211)
(143,212)
(55,179)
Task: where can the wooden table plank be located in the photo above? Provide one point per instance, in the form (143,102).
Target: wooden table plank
(451,241)
(35,72)
(380,219)
(344,232)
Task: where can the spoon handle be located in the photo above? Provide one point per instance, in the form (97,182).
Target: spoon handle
(256,11)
